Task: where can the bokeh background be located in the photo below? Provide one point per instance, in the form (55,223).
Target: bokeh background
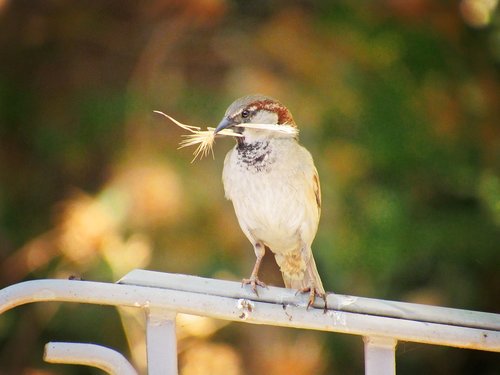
(398,101)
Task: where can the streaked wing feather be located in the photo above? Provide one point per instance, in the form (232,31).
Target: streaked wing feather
(317,189)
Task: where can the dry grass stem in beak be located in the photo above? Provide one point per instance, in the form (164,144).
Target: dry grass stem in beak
(205,139)
(285,129)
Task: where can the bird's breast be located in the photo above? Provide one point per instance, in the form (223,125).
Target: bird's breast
(269,194)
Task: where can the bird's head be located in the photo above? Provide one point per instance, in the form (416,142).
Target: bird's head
(256,109)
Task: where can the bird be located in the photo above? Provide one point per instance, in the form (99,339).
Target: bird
(275,190)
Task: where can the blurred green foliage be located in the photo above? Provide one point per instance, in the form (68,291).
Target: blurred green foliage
(397,101)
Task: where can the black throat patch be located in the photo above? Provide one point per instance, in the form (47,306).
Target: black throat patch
(254,156)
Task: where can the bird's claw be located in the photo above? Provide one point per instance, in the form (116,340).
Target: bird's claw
(253,282)
(313,292)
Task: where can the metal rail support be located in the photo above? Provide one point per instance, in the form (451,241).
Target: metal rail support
(380,355)
(161,342)
(97,356)
(381,323)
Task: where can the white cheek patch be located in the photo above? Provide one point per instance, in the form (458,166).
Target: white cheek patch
(265,117)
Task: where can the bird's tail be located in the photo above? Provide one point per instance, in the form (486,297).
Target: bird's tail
(310,279)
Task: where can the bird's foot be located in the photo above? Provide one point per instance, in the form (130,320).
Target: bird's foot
(253,282)
(313,292)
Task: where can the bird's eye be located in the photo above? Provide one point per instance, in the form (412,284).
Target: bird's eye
(245,113)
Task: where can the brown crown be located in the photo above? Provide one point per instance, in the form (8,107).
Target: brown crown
(284,115)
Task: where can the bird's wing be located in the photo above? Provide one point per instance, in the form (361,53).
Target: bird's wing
(317,190)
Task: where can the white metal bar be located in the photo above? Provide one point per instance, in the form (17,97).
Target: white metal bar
(251,310)
(380,355)
(93,355)
(339,302)
(161,342)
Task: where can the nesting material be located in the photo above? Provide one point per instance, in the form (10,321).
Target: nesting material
(205,139)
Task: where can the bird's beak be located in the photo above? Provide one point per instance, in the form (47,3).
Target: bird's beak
(224,124)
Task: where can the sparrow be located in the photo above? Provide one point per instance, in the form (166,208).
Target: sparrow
(274,187)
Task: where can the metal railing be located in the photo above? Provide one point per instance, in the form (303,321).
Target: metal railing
(161,295)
